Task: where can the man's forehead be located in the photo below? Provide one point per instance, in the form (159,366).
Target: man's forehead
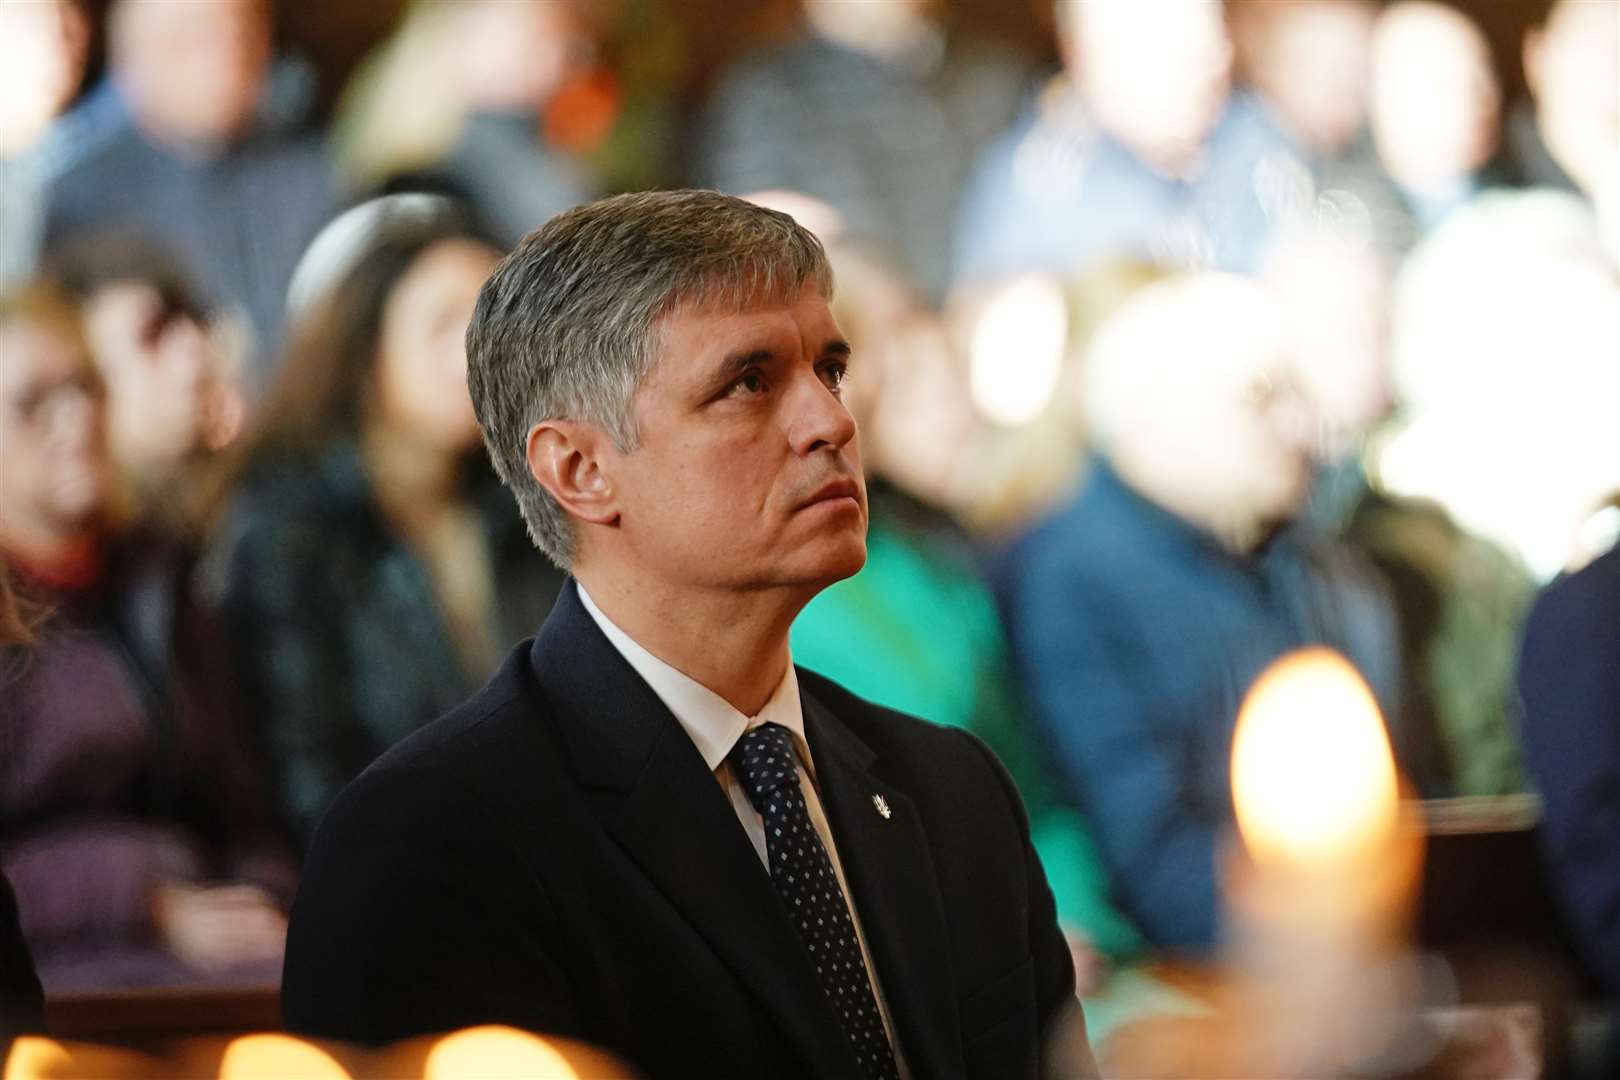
(731,298)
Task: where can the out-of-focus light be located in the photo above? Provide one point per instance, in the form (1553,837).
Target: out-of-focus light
(32,1057)
(495,1053)
(1313,778)
(277,1057)
(36,1058)
(1017,347)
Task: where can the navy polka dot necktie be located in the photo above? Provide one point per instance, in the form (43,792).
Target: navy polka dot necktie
(803,874)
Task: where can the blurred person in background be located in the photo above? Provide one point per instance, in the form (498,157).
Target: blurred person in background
(875,109)
(1142,610)
(196,169)
(130,816)
(371,570)
(1310,62)
(1334,285)
(1435,114)
(1570,140)
(22,1000)
(1569,686)
(1505,328)
(1024,339)
(1140,149)
(172,402)
(458,98)
(43,50)
(917,628)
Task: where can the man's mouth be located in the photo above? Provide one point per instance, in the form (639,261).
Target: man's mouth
(842,487)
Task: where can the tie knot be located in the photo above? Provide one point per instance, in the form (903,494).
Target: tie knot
(764,761)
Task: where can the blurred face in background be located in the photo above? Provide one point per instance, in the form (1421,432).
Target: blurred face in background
(162,374)
(54,477)
(1154,75)
(1190,391)
(192,72)
(512,57)
(1311,58)
(42,57)
(1436,105)
(1335,299)
(1573,67)
(421,373)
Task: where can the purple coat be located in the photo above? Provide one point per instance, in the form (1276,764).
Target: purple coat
(123,765)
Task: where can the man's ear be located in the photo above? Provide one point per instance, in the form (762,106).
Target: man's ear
(571,460)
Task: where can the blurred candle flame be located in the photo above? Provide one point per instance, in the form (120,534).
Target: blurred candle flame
(1313,778)
(493,1053)
(270,1056)
(32,1057)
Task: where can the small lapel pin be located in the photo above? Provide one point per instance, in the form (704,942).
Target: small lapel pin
(882,805)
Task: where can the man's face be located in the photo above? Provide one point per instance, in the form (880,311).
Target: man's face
(193,72)
(54,477)
(748,474)
(160,370)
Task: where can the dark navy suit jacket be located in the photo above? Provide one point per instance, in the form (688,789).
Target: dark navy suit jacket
(1569,680)
(555,855)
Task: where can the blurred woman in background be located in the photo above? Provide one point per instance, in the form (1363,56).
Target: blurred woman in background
(360,533)
(131,821)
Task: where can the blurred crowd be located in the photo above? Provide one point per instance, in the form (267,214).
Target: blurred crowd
(1243,328)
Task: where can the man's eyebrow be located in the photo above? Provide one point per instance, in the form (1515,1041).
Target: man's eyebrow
(739,362)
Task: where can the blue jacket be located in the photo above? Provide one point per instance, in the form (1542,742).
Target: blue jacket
(1137,637)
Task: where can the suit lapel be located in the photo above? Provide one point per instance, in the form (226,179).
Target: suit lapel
(895,889)
(661,804)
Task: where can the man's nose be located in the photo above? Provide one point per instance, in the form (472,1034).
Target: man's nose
(817,417)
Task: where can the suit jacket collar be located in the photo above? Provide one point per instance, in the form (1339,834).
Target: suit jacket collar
(657,795)
(660,803)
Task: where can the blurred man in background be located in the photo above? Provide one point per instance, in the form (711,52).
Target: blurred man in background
(43,51)
(131,817)
(172,403)
(1571,139)
(1139,150)
(1435,113)
(1310,61)
(236,204)
(457,99)
(877,110)
(1143,609)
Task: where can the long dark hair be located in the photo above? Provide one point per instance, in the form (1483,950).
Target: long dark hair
(338,296)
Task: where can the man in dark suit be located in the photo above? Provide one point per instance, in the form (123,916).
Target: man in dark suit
(650,831)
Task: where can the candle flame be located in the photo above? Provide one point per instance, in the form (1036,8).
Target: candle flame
(269,1056)
(1313,778)
(493,1052)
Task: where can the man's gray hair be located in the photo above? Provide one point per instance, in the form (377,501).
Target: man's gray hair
(568,324)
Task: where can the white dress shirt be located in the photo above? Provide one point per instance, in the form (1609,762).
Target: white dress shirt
(714,727)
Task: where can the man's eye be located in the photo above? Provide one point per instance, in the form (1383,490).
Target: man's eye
(834,375)
(751,383)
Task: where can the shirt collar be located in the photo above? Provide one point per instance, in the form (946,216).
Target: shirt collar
(709,720)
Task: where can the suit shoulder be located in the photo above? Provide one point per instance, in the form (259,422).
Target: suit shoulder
(423,770)
(900,736)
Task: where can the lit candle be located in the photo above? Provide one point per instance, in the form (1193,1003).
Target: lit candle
(1320,888)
